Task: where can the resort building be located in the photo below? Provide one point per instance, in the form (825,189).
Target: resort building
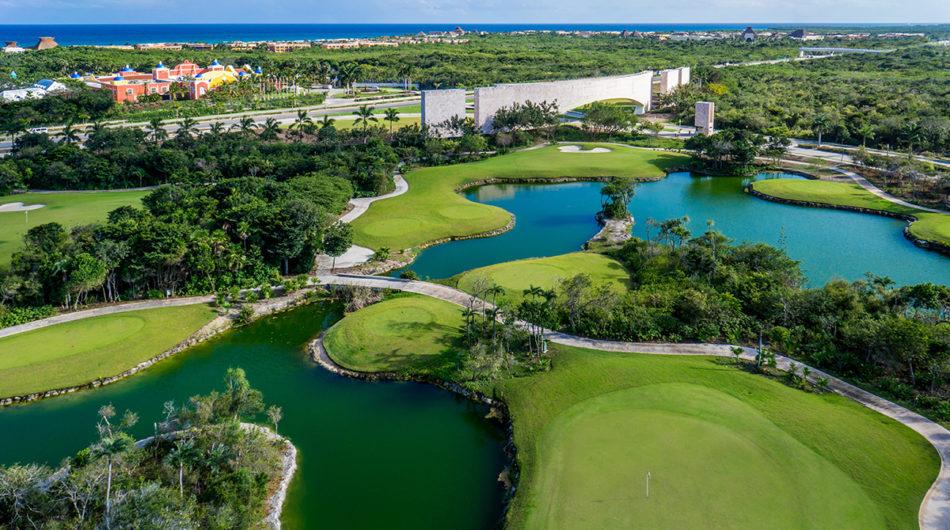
(38,90)
(749,34)
(127,85)
(11,47)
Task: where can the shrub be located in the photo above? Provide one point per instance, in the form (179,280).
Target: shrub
(245,315)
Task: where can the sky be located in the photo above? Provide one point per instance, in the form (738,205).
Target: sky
(472,11)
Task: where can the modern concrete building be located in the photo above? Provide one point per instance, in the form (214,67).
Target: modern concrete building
(439,106)
(672,78)
(705,117)
(568,94)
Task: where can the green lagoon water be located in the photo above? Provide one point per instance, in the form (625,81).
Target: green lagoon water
(554,219)
(372,455)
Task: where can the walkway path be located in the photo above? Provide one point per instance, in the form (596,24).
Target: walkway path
(866,184)
(358,255)
(106,310)
(934,510)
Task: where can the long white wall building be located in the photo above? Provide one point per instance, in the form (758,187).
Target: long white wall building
(568,94)
(438,106)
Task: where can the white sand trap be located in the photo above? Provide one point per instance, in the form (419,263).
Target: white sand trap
(577,149)
(19,207)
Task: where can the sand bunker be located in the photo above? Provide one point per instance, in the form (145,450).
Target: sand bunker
(19,207)
(577,149)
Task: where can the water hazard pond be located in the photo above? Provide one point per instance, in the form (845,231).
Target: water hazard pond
(372,455)
(554,219)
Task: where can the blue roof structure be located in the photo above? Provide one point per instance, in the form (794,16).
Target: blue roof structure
(127,69)
(118,78)
(258,71)
(75,76)
(215,63)
(159,65)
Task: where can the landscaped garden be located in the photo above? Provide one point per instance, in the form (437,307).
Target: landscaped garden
(74,353)
(67,209)
(724,447)
(432,209)
(929,226)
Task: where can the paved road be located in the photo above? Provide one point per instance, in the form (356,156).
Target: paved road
(283,116)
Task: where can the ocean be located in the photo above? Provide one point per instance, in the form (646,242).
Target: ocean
(106,34)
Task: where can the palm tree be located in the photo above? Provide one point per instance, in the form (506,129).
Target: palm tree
(822,122)
(110,448)
(70,134)
(157,130)
(392,115)
(364,115)
(270,129)
(327,121)
(469,315)
(245,125)
(185,128)
(302,122)
(216,128)
(866,132)
(183,454)
(348,74)
(405,71)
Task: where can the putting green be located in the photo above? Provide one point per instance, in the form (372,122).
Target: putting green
(411,332)
(67,209)
(516,276)
(929,226)
(432,210)
(74,353)
(714,462)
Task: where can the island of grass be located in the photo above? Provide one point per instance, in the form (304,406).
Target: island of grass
(934,227)
(724,447)
(74,353)
(432,210)
(67,209)
(516,276)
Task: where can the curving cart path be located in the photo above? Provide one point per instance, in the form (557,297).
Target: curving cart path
(934,510)
(934,513)
(358,255)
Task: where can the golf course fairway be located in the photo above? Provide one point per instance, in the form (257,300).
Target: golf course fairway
(432,210)
(726,448)
(708,454)
(516,276)
(74,353)
(67,209)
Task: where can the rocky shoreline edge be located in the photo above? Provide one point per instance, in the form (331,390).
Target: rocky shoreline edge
(935,246)
(509,476)
(217,325)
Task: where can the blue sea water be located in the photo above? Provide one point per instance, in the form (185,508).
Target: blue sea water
(106,34)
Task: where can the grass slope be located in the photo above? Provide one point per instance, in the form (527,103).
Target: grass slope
(432,210)
(725,448)
(78,352)
(929,226)
(67,209)
(411,332)
(516,276)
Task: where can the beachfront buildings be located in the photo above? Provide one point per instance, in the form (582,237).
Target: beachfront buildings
(37,90)
(194,82)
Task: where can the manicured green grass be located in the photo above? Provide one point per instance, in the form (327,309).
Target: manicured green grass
(409,333)
(431,209)
(67,209)
(732,449)
(516,276)
(78,352)
(929,226)
(345,124)
(725,448)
